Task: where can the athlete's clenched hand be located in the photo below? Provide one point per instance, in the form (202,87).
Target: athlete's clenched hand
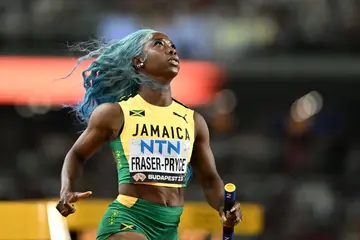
(233,217)
(65,206)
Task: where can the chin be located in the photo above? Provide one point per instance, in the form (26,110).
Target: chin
(169,74)
(174,71)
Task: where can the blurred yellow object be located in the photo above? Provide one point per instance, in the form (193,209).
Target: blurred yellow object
(201,216)
(32,220)
(40,220)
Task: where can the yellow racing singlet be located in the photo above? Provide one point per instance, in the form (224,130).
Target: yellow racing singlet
(155,143)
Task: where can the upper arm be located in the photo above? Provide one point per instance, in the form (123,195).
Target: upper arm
(104,125)
(203,161)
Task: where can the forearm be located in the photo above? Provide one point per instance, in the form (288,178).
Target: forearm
(214,192)
(71,170)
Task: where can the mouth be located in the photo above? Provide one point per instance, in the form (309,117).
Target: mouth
(174,61)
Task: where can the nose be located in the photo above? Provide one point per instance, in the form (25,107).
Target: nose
(172,51)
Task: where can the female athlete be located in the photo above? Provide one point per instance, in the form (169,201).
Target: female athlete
(156,141)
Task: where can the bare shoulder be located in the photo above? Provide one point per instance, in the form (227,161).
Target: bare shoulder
(199,118)
(107,115)
(104,125)
(201,127)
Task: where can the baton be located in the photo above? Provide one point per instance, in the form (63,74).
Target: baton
(229,201)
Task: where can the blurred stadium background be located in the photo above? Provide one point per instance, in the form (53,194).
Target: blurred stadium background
(276,80)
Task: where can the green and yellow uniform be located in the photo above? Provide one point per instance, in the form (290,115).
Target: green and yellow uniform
(153,148)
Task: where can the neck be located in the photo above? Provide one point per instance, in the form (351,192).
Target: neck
(156,96)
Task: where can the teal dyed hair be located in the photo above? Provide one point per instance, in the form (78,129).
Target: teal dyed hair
(111,76)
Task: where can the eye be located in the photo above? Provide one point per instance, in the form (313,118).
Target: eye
(158,42)
(173,46)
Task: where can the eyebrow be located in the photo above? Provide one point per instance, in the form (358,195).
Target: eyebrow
(162,39)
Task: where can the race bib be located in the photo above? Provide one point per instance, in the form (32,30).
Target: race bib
(158,160)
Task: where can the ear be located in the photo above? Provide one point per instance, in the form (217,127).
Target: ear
(136,61)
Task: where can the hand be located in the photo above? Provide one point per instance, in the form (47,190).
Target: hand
(65,206)
(233,217)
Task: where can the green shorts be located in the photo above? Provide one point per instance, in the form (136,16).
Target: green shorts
(128,214)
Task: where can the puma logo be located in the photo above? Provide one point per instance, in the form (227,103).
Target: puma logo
(183,117)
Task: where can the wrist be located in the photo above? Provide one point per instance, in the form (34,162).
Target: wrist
(65,188)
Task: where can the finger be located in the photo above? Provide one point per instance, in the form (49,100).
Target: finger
(235,207)
(59,206)
(72,210)
(223,217)
(237,220)
(83,195)
(235,215)
(229,224)
(69,207)
(231,217)
(79,195)
(64,212)
(240,216)
(67,211)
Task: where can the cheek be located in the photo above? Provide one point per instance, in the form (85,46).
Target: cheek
(154,54)
(154,59)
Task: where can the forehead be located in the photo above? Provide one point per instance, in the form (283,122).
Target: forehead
(159,35)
